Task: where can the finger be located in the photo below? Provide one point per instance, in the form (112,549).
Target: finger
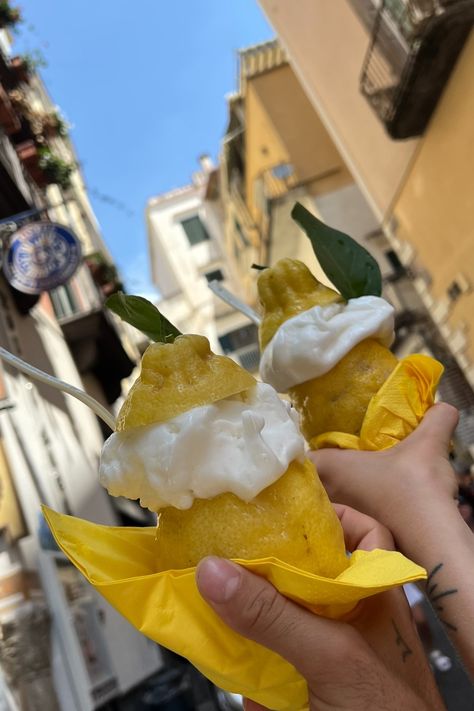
(251,606)
(327,459)
(436,428)
(361,531)
(338,465)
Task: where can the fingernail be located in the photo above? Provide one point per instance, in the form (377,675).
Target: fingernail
(217,579)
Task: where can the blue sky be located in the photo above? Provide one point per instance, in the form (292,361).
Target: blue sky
(143,84)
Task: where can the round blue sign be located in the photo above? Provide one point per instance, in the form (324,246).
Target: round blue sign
(41,256)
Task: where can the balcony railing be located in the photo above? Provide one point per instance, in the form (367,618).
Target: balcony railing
(414,47)
(249,358)
(242,211)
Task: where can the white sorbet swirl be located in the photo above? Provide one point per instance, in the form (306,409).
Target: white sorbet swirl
(314,341)
(241,445)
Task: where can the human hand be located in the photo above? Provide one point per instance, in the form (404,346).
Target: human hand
(375,661)
(412,489)
(407,485)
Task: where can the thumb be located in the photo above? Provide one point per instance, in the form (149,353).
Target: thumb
(436,429)
(251,606)
(329,461)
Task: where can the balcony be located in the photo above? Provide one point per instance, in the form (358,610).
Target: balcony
(242,343)
(97,350)
(414,47)
(91,334)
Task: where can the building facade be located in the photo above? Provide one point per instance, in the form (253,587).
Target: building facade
(397,102)
(187,251)
(49,443)
(277,151)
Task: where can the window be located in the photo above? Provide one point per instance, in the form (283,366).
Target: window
(64,301)
(282,171)
(240,338)
(215,275)
(195,230)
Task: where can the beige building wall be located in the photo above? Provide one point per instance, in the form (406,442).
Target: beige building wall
(283,127)
(263,146)
(326,43)
(435,210)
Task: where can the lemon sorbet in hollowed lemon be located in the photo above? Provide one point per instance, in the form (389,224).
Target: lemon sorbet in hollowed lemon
(220,458)
(331,356)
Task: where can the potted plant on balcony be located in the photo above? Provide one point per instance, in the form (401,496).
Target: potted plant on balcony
(43,125)
(25,65)
(53,125)
(56,170)
(104,274)
(9,16)
(43,166)
(29,156)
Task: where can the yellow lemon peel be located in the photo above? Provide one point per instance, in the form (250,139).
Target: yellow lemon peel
(176,377)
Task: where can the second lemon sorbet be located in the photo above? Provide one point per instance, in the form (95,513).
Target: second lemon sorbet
(221,459)
(330,356)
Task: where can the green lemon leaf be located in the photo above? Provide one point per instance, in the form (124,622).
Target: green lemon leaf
(350,267)
(144,315)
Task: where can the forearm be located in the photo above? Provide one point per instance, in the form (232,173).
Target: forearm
(387,626)
(443,544)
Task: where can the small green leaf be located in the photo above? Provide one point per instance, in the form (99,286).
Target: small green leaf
(258,266)
(144,315)
(350,267)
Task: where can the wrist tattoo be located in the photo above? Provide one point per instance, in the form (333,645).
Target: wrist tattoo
(436,596)
(405,649)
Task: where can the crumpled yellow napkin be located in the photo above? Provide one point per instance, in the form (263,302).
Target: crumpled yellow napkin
(121,563)
(395,410)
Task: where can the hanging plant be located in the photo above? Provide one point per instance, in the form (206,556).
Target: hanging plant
(9,16)
(104,273)
(53,124)
(56,170)
(29,156)
(43,124)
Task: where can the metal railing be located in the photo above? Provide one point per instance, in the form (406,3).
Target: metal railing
(258,59)
(414,46)
(385,59)
(410,16)
(249,358)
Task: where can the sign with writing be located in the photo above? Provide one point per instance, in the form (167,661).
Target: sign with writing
(41,256)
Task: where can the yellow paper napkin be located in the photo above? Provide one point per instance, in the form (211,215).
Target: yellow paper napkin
(121,563)
(395,410)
